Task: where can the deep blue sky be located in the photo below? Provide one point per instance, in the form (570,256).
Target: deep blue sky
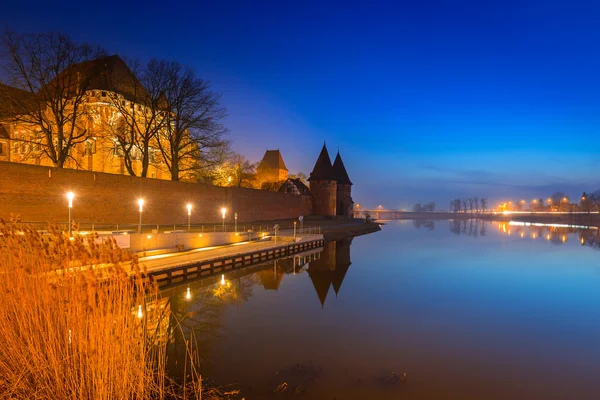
(426,100)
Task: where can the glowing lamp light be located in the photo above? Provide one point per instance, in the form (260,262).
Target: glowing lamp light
(223,211)
(141,204)
(149,236)
(222,279)
(582,240)
(140,313)
(188,294)
(189,208)
(70,197)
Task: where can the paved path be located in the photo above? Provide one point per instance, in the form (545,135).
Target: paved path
(170,260)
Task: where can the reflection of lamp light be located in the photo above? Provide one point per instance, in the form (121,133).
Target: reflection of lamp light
(222,279)
(564,238)
(140,313)
(188,294)
(582,240)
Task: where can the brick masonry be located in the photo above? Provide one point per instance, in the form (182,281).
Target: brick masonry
(38,194)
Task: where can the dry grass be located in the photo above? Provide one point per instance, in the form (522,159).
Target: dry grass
(78,335)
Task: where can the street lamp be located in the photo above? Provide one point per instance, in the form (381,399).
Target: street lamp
(70,197)
(189,208)
(235,217)
(223,211)
(141,204)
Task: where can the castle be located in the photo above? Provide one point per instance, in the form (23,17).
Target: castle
(331,187)
(113,114)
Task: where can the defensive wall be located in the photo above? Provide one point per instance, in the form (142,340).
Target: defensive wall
(38,194)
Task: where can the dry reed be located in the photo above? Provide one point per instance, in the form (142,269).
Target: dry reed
(77,334)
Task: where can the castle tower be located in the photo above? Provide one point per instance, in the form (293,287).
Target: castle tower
(323,185)
(345,205)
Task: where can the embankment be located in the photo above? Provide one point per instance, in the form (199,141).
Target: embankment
(38,194)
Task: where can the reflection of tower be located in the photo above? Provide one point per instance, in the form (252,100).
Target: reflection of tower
(330,269)
(271,277)
(342,263)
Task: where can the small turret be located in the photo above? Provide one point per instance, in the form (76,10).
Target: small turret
(344,203)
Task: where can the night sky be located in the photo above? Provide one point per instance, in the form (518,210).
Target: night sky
(426,101)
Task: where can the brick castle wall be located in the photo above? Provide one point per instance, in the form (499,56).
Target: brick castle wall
(38,194)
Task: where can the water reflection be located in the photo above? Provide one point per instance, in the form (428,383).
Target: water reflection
(452,313)
(330,270)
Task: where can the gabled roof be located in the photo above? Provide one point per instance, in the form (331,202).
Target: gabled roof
(291,183)
(323,170)
(340,171)
(272,160)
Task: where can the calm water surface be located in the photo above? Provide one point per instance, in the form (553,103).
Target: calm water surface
(468,310)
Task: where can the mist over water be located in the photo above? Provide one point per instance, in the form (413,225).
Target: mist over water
(467,309)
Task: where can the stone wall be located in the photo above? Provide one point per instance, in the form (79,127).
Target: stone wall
(38,194)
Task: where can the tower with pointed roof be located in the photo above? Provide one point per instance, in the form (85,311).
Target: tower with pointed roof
(323,185)
(344,201)
(272,168)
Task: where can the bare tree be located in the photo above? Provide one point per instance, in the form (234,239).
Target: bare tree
(484,204)
(476,201)
(192,132)
(137,115)
(51,68)
(455,205)
(471,204)
(300,175)
(464,205)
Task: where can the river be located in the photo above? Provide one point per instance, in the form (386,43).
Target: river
(419,310)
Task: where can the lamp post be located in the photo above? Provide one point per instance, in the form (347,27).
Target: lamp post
(294,231)
(189,208)
(223,211)
(235,217)
(70,197)
(141,204)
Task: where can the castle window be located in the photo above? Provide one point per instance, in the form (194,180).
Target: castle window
(1,148)
(103,94)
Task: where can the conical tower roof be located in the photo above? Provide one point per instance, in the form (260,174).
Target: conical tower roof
(322,282)
(323,170)
(340,171)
